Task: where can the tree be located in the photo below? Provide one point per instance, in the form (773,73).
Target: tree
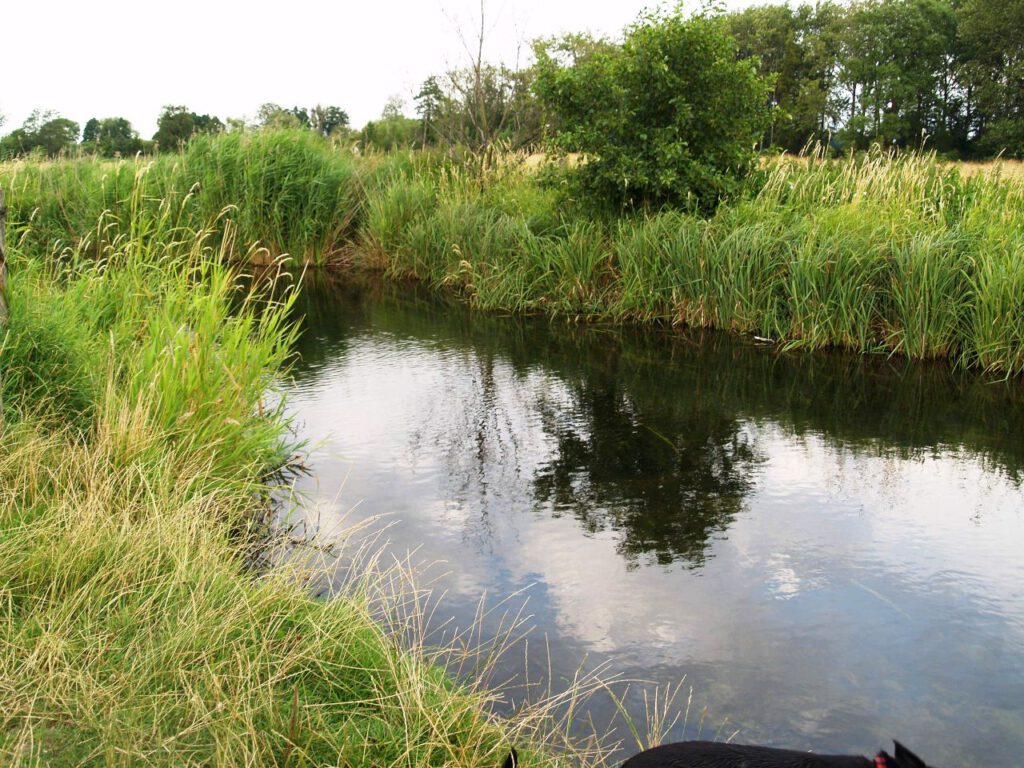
(395,107)
(177,124)
(301,115)
(429,102)
(116,137)
(57,135)
(479,106)
(207,124)
(476,110)
(44,131)
(327,120)
(669,117)
(799,50)
(275,117)
(393,131)
(323,120)
(268,113)
(992,32)
(91,131)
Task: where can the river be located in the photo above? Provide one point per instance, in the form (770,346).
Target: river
(828,549)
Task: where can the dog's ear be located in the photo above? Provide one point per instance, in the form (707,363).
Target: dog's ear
(512,761)
(904,757)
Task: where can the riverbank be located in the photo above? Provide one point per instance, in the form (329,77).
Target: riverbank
(904,256)
(140,449)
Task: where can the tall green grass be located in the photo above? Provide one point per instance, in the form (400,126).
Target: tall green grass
(286,193)
(898,255)
(139,446)
(289,192)
(891,254)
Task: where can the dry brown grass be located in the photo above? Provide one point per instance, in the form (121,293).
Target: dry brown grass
(1007,169)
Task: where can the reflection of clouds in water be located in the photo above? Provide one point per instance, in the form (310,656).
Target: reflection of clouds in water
(817,509)
(782,581)
(791,550)
(828,541)
(912,517)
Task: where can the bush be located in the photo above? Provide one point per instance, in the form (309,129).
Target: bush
(670,116)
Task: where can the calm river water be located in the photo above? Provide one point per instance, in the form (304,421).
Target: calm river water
(829,548)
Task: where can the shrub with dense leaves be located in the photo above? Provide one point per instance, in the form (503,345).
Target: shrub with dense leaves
(669,116)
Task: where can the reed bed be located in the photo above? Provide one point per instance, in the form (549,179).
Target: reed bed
(898,255)
(893,254)
(140,451)
(285,193)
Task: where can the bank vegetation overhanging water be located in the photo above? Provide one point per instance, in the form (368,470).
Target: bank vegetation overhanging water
(900,255)
(140,446)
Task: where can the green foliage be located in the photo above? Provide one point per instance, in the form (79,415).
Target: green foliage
(670,116)
(993,37)
(44,132)
(111,137)
(91,131)
(429,104)
(177,124)
(796,48)
(288,192)
(897,65)
(479,108)
(391,133)
(327,120)
(896,72)
(276,117)
(879,253)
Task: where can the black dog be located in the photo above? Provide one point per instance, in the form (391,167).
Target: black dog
(712,754)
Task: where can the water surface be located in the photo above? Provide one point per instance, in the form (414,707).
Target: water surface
(827,547)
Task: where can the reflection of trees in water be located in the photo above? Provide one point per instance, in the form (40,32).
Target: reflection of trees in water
(473,432)
(665,478)
(665,474)
(645,429)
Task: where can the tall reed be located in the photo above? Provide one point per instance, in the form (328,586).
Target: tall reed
(894,254)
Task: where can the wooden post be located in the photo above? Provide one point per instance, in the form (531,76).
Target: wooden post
(3,298)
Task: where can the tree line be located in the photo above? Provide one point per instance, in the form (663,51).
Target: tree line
(46,132)
(945,74)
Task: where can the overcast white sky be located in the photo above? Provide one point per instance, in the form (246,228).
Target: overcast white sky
(103,58)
